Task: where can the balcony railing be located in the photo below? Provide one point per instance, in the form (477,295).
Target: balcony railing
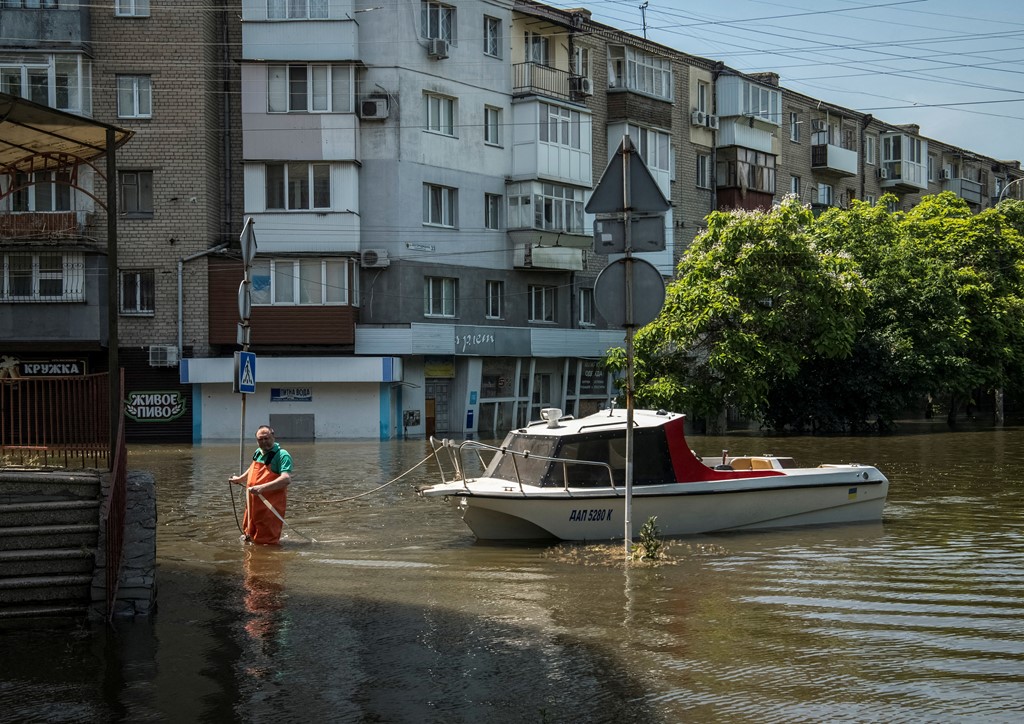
(835,159)
(537,79)
(969,191)
(42,225)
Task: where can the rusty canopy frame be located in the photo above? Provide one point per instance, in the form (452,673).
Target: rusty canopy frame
(34,137)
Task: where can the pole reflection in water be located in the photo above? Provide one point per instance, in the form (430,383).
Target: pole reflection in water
(401,617)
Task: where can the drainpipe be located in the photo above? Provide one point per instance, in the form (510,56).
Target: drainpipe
(181,303)
(865,122)
(226,64)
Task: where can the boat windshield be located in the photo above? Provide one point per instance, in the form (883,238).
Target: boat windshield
(530,469)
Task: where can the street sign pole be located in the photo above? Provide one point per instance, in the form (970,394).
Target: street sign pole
(630,325)
(247,239)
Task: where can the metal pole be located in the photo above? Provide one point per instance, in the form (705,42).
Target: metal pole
(113,340)
(1006,188)
(628,242)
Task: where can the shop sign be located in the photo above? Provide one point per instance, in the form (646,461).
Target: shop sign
(14,368)
(154,406)
(291,394)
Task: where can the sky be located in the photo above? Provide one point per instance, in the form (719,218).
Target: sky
(954,67)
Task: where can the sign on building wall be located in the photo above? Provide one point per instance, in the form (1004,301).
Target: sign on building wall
(154,406)
(13,368)
(291,394)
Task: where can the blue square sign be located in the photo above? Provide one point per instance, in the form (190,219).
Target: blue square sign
(247,372)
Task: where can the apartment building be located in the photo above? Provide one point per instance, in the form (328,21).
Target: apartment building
(417,174)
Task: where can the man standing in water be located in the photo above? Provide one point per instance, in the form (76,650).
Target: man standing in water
(267,480)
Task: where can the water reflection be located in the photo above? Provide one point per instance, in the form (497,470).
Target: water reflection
(396,614)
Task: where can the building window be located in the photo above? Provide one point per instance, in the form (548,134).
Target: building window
(492,126)
(560,126)
(305,282)
(42,277)
(134,96)
(870,144)
(551,207)
(298,186)
(129,8)
(581,62)
(40,192)
(309,88)
(794,126)
(703,94)
(870,199)
(492,36)
(137,193)
(824,195)
(536,48)
(297,9)
(495,299)
(635,70)
(542,303)
(703,171)
(492,212)
(760,102)
(137,291)
(438,21)
(654,147)
(794,186)
(440,114)
(586,307)
(440,296)
(440,206)
(746,168)
(932,161)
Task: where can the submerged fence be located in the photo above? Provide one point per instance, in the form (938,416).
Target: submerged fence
(58,421)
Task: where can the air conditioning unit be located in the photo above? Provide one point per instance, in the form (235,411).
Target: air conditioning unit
(698,118)
(374,259)
(373,109)
(437,48)
(817,124)
(581,86)
(712,122)
(883,173)
(163,356)
(946,174)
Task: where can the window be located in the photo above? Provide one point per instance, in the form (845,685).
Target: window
(492,212)
(495,299)
(870,198)
(492,37)
(137,193)
(758,101)
(440,205)
(309,88)
(746,168)
(306,282)
(794,126)
(137,292)
(131,8)
(824,195)
(438,21)
(703,94)
(560,126)
(492,126)
(794,186)
(703,171)
(42,277)
(298,186)
(870,144)
(439,296)
(581,61)
(932,161)
(440,114)
(536,205)
(638,71)
(59,81)
(542,303)
(41,191)
(297,9)
(654,147)
(134,96)
(536,48)
(586,307)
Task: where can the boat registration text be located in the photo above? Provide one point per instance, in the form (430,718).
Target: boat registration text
(590,514)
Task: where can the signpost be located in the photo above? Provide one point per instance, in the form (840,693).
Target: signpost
(627,187)
(245,361)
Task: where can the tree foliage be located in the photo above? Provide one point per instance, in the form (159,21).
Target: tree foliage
(838,322)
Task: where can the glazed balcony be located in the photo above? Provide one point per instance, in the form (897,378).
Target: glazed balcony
(969,191)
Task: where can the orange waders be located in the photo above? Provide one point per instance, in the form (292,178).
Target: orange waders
(259,523)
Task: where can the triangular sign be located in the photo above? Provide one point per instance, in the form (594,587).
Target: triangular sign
(248,378)
(645,197)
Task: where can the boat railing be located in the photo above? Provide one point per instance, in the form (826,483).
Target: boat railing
(454,454)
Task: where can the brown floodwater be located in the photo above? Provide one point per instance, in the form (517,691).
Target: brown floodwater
(396,614)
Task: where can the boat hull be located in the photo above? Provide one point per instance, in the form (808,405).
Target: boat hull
(681,509)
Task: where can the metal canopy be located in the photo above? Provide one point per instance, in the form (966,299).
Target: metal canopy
(34,137)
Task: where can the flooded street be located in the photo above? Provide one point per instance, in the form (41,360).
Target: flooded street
(395,614)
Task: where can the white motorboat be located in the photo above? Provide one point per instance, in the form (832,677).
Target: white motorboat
(564,478)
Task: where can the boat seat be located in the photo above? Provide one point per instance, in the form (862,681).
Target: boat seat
(760,464)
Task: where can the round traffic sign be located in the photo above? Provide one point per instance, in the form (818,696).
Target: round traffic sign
(648,292)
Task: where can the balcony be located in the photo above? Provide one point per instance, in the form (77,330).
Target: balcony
(532,79)
(902,176)
(969,191)
(560,258)
(835,160)
(43,225)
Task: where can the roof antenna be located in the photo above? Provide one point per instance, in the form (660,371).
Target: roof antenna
(643,14)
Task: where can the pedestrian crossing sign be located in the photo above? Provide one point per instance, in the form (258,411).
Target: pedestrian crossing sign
(245,372)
